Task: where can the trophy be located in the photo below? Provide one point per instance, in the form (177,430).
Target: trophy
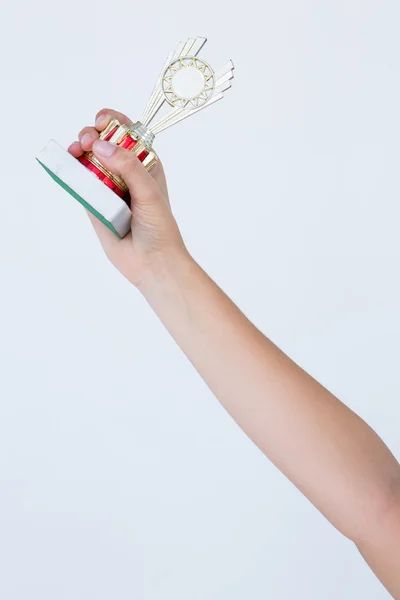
(105,194)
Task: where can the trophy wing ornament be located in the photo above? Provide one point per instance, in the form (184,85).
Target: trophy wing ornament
(106,195)
(214,86)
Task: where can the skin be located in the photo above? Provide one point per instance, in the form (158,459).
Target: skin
(333,457)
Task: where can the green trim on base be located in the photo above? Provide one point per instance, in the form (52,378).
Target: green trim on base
(79,198)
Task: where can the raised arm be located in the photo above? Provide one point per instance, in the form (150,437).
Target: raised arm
(324,448)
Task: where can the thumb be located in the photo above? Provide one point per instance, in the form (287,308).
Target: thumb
(142,186)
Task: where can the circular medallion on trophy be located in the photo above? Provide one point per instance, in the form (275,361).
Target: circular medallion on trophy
(188,82)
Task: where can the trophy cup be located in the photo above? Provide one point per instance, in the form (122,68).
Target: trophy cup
(105,194)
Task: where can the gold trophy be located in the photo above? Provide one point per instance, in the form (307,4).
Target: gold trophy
(105,194)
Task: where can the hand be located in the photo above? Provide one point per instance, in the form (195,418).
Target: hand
(154,235)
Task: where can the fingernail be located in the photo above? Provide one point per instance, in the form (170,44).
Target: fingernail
(102,121)
(87,138)
(103,148)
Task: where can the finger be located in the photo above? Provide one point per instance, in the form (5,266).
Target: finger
(157,172)
(142,187)
(87,136)
(75,149)
(105,115)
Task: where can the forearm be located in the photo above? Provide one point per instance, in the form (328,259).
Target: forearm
(329,453)
(324,448)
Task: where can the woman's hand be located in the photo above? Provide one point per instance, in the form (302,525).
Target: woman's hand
(154,238)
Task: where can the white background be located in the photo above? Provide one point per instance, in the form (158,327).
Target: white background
(121,477)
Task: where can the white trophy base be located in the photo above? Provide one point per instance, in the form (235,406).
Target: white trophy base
(84,186)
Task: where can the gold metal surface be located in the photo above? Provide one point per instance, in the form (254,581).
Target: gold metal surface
(113,123)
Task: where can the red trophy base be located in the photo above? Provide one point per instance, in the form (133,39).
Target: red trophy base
(123,136)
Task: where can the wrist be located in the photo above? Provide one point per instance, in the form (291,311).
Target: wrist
(164,267)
